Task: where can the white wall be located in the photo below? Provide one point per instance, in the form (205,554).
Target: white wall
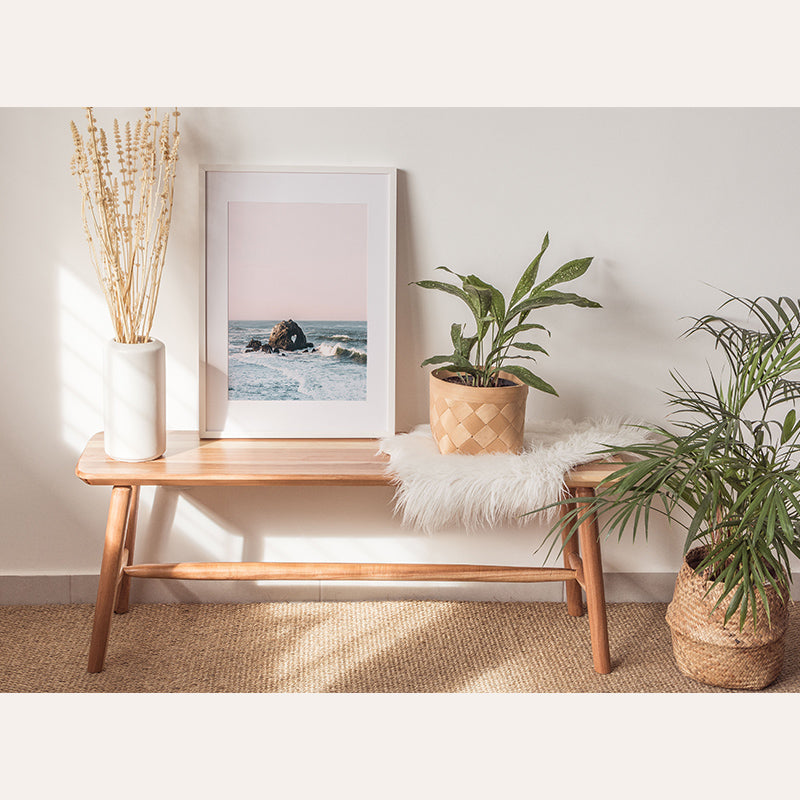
(666,200)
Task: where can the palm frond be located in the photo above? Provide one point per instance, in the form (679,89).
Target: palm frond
(731,479)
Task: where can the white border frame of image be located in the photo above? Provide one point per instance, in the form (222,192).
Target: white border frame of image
(373,418)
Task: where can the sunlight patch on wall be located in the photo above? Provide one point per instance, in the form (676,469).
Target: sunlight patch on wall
(402,548)
(83,328)
(204,532)
(182,394)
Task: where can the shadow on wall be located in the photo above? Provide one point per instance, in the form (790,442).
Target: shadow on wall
(412,400)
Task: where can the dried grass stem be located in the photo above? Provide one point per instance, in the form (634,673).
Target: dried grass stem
(127,215)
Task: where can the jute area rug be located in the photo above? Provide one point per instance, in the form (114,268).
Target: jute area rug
(398,646)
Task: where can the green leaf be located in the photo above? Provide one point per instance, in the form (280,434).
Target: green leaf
(567,272)
(518,358)
(733,572)
(473,303)
(734,604)
(455,336)
(454,362)
(437,360)
(528,378)
(483,296)
(550,298)
(515,331)
(700,515)
(529,276)
(447,269)
(463,345)
(463,365)
(747,585)
(467,343)
(445,287)
(535,348)
(498,303)
(783,519)
(789,423)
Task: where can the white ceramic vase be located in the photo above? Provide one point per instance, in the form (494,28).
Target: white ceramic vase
(134,400)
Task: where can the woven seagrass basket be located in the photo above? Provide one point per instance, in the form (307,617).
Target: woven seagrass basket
(723,655)
(473,420)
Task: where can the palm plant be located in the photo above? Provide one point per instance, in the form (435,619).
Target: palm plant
(477,360)
(727,471)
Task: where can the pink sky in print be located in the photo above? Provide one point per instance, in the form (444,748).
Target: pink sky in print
(304,261)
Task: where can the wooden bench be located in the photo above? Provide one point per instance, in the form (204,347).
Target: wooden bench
(191,461)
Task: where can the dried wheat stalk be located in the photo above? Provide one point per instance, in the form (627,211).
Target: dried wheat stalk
(127,212)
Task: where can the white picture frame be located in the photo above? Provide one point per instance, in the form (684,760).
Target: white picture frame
(266,232)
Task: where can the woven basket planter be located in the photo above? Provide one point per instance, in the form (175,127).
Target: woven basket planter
(707,651)
(473,420)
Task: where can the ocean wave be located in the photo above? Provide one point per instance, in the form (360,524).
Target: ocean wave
(297,376)
(248,357)
(341,337)
(331,350)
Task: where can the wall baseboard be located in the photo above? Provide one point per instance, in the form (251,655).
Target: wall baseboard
(621,587)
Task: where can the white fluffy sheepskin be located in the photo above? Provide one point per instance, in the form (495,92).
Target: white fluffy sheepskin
(435,491)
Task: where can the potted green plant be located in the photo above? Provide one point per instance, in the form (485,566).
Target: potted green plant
(727,471)
(477,396)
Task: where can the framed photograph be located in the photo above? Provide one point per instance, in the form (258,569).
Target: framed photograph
(298,302)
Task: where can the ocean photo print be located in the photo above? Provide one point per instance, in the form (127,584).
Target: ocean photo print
(297,301)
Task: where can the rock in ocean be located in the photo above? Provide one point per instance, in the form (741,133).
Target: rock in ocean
(288,335)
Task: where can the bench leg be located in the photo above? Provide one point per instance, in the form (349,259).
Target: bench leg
(595,591)
(109,574)
(572,588)
(124,592)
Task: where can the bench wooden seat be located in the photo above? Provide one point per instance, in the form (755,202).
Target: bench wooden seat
(191,461)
